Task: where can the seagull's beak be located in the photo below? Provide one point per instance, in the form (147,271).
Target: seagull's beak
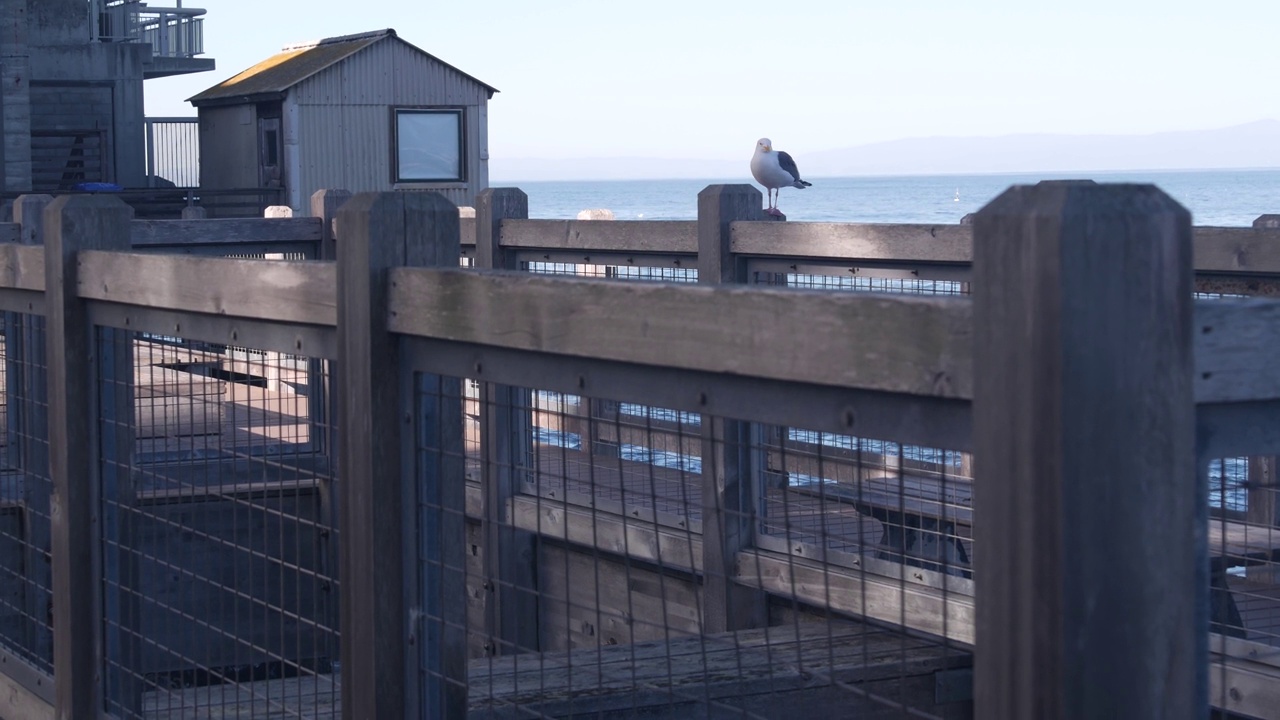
(767,148)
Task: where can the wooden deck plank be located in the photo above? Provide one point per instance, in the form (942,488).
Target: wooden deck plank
(620,677)
(314,696)
(1241,541)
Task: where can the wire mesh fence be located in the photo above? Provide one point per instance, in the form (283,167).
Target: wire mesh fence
(26,626)
(850,500)
(586,587)
(219,532)
(1244,550)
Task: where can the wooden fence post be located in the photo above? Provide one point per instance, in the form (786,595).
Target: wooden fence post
(322,407)
(324,205)
(506,426)
(379,553)
(493,205)
(730,463)
(75,223)
(27,385)
(1090,571)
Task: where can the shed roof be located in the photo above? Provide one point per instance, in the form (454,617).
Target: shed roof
(271,78)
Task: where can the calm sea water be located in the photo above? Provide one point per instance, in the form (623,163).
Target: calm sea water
(1217,197)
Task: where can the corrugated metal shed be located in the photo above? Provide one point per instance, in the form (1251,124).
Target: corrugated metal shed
(271,78)
(324,115)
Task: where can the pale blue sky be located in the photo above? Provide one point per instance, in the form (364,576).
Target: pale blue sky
(695,78)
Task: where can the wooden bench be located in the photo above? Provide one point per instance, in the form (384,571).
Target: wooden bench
(1235,544)
(923,518)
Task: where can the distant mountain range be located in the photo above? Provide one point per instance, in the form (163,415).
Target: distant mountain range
(1252,145)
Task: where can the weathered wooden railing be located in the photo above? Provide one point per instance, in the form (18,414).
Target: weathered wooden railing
(1126,599)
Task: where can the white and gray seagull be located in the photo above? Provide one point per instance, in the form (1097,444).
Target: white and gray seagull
(774,169)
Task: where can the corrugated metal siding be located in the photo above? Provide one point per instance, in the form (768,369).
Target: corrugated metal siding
(344,118)
(354,154)
(336,147)
(386,73)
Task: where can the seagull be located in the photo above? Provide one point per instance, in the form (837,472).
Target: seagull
(774,169)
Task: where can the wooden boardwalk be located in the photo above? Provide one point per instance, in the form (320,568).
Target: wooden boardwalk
(767,673)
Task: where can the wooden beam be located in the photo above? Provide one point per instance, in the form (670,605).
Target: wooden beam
(732,463)
(323,408)
(948,614)
(74,224)
(22,267)
(1237,250)
(860,241)
(26,408)
(494,206)
(512,604)
(620,236)
(872,341)
(378,558)
(1235,348)
(224,231)
(593,529)
(1090,562)
(324,207)
(287,291)
(17,701)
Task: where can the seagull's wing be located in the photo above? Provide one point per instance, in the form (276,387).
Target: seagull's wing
(787,164)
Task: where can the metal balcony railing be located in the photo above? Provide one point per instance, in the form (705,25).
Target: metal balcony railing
(172,32)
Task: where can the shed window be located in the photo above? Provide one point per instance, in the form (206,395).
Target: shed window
(429,145)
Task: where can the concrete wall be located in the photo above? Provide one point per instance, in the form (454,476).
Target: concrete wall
(15,101)
(54,80)
(59,22)
(97,73)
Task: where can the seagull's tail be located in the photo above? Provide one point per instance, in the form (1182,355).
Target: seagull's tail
(802,184)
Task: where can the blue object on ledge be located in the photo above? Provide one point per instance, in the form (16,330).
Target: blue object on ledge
(98,187)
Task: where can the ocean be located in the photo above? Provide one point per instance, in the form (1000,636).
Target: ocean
(1214,197)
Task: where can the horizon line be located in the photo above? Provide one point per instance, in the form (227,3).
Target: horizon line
(944,173)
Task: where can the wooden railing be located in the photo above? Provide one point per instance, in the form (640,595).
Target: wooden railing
(1021,376)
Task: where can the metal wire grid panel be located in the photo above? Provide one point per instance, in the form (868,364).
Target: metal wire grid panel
(219,532)
(858,279)
(614,268)
(1244,550)
(849,499)
(843,495)
(649,444)
(629,458)
(607,592)
(26,627)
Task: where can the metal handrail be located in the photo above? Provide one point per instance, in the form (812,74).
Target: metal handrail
(172,32)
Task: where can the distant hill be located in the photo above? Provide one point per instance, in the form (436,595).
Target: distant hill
(1252,145)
